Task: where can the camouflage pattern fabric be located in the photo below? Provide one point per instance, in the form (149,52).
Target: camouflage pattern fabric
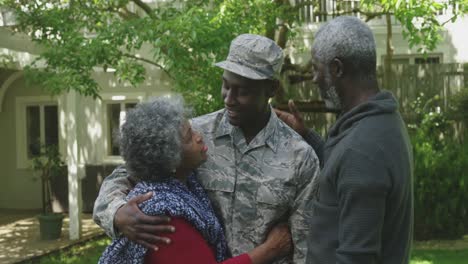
(254,57)
(252,186)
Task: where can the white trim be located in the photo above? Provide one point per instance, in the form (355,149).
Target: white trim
(412,56)
(22,161)
(123,96)
(74,165)
(7,84)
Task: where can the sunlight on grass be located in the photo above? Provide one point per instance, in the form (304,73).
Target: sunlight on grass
(91,251)
(439,256)
(82,254)
(417,261)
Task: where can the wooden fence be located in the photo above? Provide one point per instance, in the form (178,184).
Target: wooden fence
(407,82)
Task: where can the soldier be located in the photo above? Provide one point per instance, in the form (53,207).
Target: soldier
(259,171)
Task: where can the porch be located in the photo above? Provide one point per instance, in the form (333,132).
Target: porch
(19,236)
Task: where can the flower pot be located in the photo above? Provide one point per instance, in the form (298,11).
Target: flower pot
(50,226)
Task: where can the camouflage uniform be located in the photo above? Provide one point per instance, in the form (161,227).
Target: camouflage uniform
(252,186)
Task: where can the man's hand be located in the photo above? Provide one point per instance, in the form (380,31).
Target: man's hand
(293,119)
(139,227)
(279,240)
(277,245)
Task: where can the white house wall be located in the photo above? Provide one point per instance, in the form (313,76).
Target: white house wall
(19,190)
(452,46)
(93,133)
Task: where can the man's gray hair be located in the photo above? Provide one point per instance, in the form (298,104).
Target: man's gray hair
(350,40)
(151,140)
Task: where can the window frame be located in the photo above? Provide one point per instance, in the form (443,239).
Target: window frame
(412,57)
(107,99)
(22,159)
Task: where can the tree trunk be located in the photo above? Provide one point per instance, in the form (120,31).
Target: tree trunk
(388,59)
(43,187)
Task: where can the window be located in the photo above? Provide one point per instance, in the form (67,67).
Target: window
(114,108)
(41,128)
(116,112)
(37,124)
(7,17)
(428,60)
(434,58)
(400,61)
(323,10)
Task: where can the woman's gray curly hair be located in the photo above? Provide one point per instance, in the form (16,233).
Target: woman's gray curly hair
(150,138)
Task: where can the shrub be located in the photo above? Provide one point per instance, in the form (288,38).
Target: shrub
(440,173)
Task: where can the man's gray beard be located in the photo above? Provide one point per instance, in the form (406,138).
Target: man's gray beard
(333,100)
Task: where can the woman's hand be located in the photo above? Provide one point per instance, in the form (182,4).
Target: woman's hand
(277,245)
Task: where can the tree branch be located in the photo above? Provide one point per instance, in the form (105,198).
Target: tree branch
(144,7)
(288,66)
(147,61)
(307,107)
(354,10)
(449,20)
(126,14)
(123,12)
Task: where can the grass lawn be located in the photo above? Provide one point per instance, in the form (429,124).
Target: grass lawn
(440,256)
(433,252)
(87,253)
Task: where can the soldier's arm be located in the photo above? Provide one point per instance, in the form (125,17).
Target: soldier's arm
(307,169)
(118,217)
(111,197)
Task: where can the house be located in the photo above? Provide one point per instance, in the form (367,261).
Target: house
(83,127)
(450,50)
(442,71)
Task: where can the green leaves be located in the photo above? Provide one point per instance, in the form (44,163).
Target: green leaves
(183,40)
(48,164)
(441,171)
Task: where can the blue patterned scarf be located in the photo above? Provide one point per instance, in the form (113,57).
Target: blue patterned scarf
(173,198)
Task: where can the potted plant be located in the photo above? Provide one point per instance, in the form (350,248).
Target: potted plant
(49,164)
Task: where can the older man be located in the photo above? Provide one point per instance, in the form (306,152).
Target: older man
(363,203)
(259,171)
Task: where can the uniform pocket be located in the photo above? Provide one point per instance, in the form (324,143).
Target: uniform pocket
(274,196)
(220,194)
(217,186)
(273,204)
(271,207)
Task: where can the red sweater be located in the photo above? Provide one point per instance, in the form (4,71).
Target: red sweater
(188,246)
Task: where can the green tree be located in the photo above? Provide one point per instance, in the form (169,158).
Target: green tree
(185,37)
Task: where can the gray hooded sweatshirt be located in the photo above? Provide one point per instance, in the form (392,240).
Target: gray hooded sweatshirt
(363,204)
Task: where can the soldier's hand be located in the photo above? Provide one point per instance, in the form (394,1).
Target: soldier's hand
(277,245)
(293,119)
(279,240)
(139,227)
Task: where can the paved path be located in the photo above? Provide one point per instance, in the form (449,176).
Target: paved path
(19,237)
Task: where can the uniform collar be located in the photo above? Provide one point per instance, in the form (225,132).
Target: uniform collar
(267,136)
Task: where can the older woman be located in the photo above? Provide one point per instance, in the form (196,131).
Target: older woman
(161,151)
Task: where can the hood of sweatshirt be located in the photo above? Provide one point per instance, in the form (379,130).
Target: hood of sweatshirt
(382,103)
